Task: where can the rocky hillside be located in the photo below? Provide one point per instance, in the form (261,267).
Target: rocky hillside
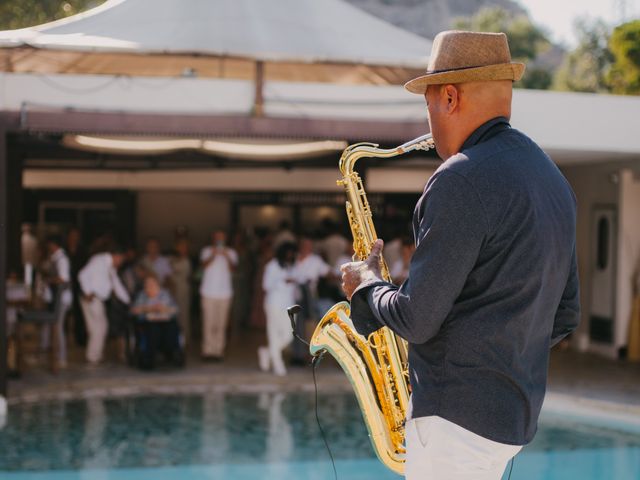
(428,17)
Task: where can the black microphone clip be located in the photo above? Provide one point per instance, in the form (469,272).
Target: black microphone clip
(293,311)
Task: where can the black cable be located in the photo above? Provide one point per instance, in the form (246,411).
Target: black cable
(315,362)
(293,311)
(511,469)
(301,339)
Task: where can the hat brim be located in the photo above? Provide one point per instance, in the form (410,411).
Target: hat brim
(503,71)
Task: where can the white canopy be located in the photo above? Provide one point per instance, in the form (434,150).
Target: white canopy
(583,127)
(300,31)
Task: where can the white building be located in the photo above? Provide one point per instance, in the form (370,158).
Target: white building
(174,149)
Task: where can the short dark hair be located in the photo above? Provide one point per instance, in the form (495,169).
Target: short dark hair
(55,239)
(149,274)
(116,250)
(283,250)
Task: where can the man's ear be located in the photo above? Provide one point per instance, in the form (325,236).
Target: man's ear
(451,95)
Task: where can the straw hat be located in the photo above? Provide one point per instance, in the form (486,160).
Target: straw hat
(458,57)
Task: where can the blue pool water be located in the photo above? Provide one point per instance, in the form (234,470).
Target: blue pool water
(251,436)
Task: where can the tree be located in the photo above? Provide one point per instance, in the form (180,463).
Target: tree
(624,44)
(526,40)
(27,13)
(585,68)
(537,78)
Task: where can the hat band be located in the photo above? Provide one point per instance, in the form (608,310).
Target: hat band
(431,72)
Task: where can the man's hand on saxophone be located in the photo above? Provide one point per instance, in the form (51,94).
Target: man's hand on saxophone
(356,275)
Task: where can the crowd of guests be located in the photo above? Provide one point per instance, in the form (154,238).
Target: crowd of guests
(250,281)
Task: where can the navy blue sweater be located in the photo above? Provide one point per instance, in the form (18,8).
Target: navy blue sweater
(492,285)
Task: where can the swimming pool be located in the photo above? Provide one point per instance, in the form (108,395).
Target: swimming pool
(249,436)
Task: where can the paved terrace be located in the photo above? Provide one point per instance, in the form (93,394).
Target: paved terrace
(574,379)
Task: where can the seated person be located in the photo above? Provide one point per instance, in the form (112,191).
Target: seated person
(156,326)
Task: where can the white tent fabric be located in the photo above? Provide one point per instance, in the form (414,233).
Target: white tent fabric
(269,30)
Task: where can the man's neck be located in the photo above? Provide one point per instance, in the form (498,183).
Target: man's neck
(462,133)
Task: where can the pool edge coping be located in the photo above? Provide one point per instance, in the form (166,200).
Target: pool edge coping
(598,410)
(554,402)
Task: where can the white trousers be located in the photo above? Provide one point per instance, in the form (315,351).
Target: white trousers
(215,316)
(441,450)
(279,335)
(95,318)
(45,336)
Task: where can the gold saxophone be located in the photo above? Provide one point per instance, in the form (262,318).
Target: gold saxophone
(377,366)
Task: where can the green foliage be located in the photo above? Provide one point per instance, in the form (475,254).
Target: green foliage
(537,78)
(526,40)
(624,44)
(585,68)
(27,13)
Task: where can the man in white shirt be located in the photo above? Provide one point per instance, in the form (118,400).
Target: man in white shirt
(59,279)
(334,244)
(309,266)
(98,280)
(308,269)
(216,291)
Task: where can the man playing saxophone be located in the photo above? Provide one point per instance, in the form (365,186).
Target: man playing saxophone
(493,282)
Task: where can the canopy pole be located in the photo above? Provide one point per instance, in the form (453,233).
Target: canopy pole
(4,193)
(258,105)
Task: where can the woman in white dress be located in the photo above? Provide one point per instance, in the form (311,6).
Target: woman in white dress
(280,286)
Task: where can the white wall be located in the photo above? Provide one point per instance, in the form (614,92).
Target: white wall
(398,180)
(628,252)
(380,180)
(268,179)
(580,122)
(143,94)
(160,212)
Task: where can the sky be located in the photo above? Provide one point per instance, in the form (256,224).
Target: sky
(558,15)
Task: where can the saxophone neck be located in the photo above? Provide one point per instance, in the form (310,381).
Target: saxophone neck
(425,142)
(370,150)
